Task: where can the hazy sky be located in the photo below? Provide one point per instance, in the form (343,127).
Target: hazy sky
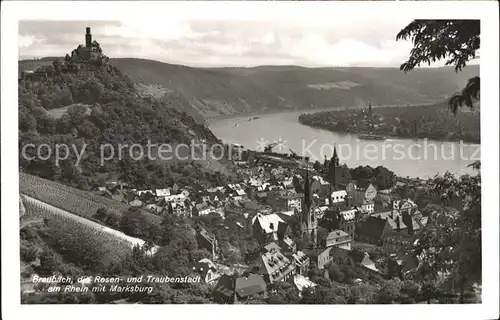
(337,41)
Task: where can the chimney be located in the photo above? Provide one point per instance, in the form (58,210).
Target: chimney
(88,38)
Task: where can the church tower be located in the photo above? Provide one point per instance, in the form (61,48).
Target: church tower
(334,173)
(309,220)
(370,116)
(335,157)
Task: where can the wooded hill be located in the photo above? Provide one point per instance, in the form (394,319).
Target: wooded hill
(211,92)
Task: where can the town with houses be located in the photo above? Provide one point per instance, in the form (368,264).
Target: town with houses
(279,199)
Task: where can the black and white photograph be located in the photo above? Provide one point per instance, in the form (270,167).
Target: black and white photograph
(251,153)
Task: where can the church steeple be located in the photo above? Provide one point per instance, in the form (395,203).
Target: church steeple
(308,218)
(330,191)
(333,168)
(335,157)
(307,191)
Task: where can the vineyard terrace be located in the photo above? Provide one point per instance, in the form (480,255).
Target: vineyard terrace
(59,152)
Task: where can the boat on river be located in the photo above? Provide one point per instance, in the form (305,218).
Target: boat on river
(254,118)
(371,137)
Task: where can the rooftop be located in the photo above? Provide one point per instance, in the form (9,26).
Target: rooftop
(288,241)
(162,192)
(302,282)
(269,223)
(320,180)
(368,263)
(336,234)
(398,204)
(300,257)
(339,252)
(274,262)
(395,237)
(372,227)
(286,194)
(363,185)
(339,193)
(253,284)
(271,247)
(316,252)
(348,214)
(391,219)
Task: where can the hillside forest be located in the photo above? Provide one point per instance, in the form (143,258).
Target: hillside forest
(104,108)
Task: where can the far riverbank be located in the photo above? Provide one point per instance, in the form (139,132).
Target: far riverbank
(389,135)
(211,120)
(435,122)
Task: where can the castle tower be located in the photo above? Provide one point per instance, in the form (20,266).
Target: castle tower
(309,220)
(88,38)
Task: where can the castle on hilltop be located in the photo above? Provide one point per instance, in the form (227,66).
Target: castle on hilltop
(85,59)
(88,55)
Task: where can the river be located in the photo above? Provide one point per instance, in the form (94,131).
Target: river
(406,157)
